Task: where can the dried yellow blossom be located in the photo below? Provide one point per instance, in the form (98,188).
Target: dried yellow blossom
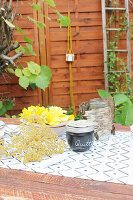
(34,142)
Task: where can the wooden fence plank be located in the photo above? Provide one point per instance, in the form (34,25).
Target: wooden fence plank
(61,35)
(85,47)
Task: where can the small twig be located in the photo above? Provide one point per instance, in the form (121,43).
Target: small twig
(11,59)
(14,15)
(4,78)
(17,56)
(13,47)
(8,76)
(8,59)
(10,5)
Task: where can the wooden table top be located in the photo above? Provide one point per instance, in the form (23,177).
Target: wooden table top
(18,184)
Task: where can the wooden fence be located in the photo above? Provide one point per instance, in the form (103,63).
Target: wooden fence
(51,44)
(86,22)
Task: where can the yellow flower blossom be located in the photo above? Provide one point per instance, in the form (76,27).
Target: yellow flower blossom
(52,115)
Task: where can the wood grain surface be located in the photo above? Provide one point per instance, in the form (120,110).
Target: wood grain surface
(37,186)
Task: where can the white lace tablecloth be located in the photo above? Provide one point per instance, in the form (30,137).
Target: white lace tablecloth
(109,159)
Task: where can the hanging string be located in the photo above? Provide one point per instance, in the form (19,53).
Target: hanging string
(70,51)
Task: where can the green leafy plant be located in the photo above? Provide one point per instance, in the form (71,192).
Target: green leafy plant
(119,78)
(33,75)
(70,110)
(78,117)
(6,104)
(123,107)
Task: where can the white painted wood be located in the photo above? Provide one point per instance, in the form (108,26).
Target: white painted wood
(128,42)
(112,8)
(105,44)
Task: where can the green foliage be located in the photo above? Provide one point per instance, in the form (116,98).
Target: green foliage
(63,20)
(43,79)
(36,7)
(78,117)
(104,94)
(51,3)
(27,39)
(1,104)
(10,70)
(18,72)
(39,24)
(20,30)
(118,75)
(34,68)
(26,72)
(34,75)
(5,105)
(123,108)
(70,110)
(24,82)
(120,99)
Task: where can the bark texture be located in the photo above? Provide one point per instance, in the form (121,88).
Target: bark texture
(6,35)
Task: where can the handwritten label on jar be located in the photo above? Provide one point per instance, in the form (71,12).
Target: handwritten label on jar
(79,144)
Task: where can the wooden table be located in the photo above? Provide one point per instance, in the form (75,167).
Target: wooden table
(24,185)
(29,185)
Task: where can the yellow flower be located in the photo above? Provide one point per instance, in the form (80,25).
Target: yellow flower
(52,118)
(52,115)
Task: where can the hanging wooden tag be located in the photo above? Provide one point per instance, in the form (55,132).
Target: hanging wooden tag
(69,57)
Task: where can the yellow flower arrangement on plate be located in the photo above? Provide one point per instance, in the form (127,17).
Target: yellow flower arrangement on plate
(52,115)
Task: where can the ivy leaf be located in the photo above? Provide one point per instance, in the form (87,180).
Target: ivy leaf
(27,39)
(18,72)
(36,7)
(26,72)
(51,3)
(2,110)
(1,104)
(103,93)
(63,20)
(120,99)
(24,82)
(34,68)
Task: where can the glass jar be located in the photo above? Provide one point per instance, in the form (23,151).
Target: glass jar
(80,135)
(103,117)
